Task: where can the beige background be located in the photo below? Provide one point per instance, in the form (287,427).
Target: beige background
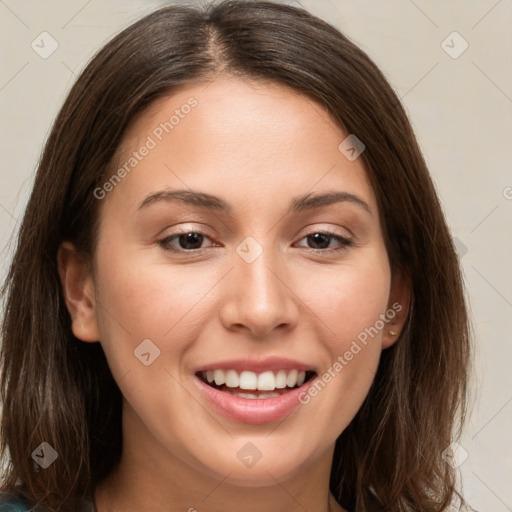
(460,107)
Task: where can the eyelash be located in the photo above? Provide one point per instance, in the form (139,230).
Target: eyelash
(165,242)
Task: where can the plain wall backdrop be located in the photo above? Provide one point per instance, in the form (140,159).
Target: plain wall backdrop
(450,62)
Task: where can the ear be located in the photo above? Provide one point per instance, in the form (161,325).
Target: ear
(78,288)
(398,307)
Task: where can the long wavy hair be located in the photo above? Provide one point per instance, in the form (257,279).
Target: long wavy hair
(57,389)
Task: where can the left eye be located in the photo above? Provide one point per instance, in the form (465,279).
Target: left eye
(192,240)
(319,238)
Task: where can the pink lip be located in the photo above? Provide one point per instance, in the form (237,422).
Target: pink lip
(272,363)
(255,411)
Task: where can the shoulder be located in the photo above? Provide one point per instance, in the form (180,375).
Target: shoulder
(8,503)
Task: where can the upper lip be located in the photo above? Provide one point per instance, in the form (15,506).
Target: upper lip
(273,363)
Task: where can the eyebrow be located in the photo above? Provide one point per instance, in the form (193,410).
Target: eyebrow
(208,201)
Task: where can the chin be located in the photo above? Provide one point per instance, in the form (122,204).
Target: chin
(271,467)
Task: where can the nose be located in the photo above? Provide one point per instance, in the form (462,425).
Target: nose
(259,296)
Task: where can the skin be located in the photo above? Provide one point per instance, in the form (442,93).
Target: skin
(258,145)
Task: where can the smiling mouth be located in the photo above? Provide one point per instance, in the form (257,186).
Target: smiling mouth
(252,386)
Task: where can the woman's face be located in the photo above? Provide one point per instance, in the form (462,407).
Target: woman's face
(259,292)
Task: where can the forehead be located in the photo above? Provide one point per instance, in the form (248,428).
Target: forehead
(257,138)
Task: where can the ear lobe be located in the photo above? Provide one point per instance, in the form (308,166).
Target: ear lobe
(399,300)
(78,289)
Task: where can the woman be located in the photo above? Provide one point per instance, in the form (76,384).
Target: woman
(260,367)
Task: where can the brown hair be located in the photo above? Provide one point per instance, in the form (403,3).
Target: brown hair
(59,390)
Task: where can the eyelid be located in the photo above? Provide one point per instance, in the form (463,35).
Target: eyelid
(330,231)
(183,229)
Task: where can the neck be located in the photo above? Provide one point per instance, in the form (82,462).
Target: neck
(153,479)
(105,503)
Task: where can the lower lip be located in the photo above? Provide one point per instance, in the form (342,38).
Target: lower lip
(255,411)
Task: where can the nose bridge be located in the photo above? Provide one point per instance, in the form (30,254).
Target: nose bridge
(259,299)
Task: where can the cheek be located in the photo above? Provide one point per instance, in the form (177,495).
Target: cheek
(140,300)
(351,302)
(351,298)
(149,316)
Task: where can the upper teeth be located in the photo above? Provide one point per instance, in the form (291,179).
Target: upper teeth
(266,381)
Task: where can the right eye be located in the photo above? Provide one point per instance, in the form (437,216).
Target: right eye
(188,240)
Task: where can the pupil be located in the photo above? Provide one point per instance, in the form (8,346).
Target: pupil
(317,239)
(193,238)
